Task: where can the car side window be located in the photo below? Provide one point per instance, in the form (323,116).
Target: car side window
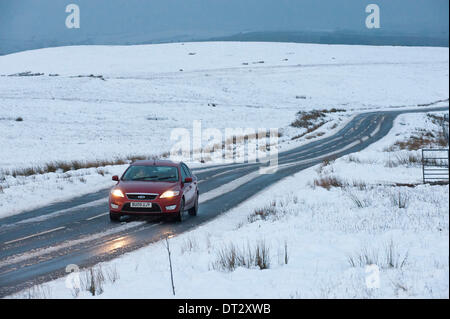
(187,171)
(183,173)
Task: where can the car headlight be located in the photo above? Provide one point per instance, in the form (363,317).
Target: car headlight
(169,194)
(117,193)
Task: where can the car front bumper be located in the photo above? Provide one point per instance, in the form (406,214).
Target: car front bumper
(159,206)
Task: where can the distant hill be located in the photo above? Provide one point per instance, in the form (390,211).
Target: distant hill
(321,37)
(341,37)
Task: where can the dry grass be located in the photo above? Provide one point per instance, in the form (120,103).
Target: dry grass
(311,121)
(353,159)
(270,212)
(307,119)
(359,185)
(94,280)
(309,130)
(328,160)
(328,182)
(389,257)
(236,138)
(189,244)
(423,139)
(101,172)
(416,143)
(404,159)
(37,292)
(436,119)
(62,166)
(399,200)
(231,257)
(112,275)
(359,202)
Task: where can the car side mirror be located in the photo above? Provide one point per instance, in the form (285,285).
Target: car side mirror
(188,180)
(115,178)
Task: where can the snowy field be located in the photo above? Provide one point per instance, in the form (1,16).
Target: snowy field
(143,94)
(138,94)
(316,241)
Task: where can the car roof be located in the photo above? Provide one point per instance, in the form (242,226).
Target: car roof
(155,163)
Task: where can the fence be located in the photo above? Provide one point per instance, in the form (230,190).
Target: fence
(435,165)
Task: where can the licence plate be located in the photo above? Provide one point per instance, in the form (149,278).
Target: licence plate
(140,205)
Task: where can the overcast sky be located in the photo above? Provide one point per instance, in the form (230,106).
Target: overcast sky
(43,21)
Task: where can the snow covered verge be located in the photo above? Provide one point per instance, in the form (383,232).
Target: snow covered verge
(304,237)
(111,103)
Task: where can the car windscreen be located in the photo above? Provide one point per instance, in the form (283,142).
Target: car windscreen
(151,173)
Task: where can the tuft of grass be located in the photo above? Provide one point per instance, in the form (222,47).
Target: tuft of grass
(231,257)
(360,203)
(389,257)
(265,213)
(353,159)
(189,245)
(112,274)
(359,185)
(328,182)
(37,292)
(286,255)
(328,160)
(308,119)
(364,258)
(404,159)
(399,200)
(394,259)
(93,281)
(409,159)
(309,130)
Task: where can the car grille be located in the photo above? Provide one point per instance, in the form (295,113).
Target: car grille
(154,209)
(142,196)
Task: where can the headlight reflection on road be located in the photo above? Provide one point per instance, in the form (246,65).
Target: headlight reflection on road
(116,244)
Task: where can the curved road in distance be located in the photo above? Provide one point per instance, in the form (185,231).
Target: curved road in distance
(36,246)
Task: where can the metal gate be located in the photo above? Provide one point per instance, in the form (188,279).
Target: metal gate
(435,165)
(445,126)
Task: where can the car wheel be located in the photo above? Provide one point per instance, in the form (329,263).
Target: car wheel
(194,209)
(181,214)
(114,217)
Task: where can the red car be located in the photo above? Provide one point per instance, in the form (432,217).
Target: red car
(154,187)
